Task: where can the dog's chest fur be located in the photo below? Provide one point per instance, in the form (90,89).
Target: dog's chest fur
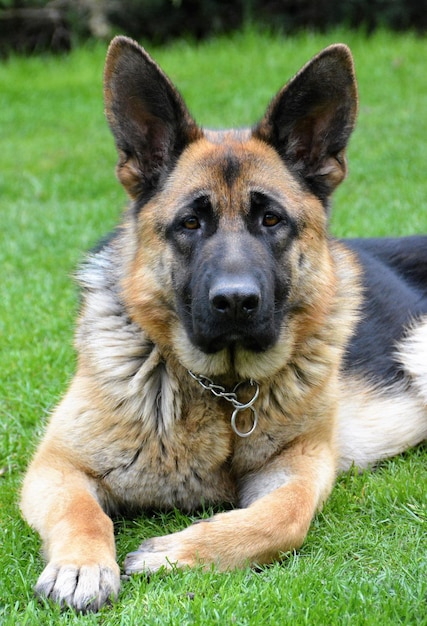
(196,460)
(184,468)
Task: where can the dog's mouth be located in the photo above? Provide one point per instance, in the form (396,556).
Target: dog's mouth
(232,356)
(232,341)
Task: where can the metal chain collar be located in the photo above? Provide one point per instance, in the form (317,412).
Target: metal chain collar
(220,392)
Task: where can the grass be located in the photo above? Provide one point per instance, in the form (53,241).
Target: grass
(365,559)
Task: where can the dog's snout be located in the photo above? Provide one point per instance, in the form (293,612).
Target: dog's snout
(235,300)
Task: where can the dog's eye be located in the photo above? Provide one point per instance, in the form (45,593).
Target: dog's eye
(191,223)
(260,205)
(270,219)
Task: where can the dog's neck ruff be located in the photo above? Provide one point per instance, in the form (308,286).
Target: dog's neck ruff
(220,392)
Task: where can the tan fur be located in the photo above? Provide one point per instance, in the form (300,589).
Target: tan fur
(136,430)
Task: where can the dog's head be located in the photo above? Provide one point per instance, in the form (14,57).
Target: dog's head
(229,266)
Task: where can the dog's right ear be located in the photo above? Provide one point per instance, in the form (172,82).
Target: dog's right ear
(148,118)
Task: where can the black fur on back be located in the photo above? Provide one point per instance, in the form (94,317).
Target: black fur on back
(394,279)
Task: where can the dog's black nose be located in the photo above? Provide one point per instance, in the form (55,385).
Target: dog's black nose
(235,299)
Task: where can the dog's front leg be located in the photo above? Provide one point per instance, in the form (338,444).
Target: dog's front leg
(282,499)
(78,540)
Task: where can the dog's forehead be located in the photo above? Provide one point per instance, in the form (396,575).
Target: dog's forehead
(232,158)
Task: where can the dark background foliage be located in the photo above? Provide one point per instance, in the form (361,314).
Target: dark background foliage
(33,25)
(165,18)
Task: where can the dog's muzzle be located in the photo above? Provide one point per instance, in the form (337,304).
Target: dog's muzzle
(233,312)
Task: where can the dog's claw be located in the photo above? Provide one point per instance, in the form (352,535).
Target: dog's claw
(84,588)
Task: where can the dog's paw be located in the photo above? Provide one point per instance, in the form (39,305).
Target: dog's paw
(152,555)
(85,589)
(205,542)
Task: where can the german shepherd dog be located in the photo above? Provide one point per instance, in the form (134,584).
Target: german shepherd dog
(229,350)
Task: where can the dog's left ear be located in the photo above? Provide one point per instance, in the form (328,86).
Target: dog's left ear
(147,115)
(310,120)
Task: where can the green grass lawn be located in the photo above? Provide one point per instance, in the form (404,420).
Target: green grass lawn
(365,559)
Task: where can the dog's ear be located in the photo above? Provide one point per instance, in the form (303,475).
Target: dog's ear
(148,118)
(310,120)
